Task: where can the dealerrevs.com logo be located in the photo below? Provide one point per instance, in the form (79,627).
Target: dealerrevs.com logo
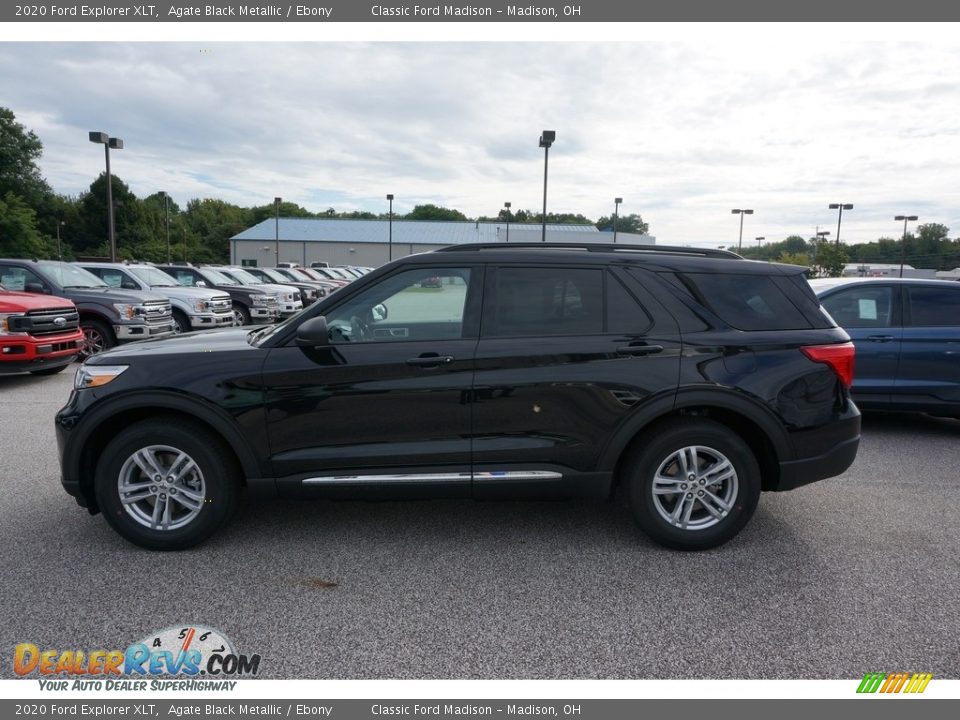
(202,657)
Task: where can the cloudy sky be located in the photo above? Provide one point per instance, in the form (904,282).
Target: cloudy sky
(683,132)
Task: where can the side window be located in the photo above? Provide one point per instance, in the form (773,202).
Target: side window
(932,306)
(745,302)
(865,306)
(421,304)
(530,302)
(17,278)
(624,313)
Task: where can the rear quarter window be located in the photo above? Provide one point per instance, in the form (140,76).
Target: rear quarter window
(745,302)
(934,307)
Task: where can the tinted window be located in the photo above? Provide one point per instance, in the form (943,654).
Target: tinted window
(545,301)
(624,313)
(115,278)
(745,302)
(934,306)
(423,304)
(16,278)
(863,306)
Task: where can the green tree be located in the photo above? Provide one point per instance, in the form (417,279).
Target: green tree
(632,223)
(19,151)
(797,258)
(19,236)
(434,212)
(828,259)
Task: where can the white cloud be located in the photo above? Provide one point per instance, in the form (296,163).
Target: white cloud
(683,132)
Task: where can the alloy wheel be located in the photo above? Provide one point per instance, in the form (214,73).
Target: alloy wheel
(161,487)
(695,488)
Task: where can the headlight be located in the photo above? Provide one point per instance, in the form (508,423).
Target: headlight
(263,299)
(5,324)
(200,305)
(92,376)
(129,311)
(288,297)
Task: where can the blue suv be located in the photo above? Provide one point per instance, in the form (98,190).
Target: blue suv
(907,335)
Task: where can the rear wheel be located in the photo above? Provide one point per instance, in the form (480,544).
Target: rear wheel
(693,484)
(97,337)
(166,486)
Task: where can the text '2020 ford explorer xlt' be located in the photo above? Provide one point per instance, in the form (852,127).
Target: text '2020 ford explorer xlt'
(693,378)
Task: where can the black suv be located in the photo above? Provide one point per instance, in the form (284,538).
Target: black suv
(693,378)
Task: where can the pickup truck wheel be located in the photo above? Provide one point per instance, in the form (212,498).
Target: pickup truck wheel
(693,484)
(181,323)
(97,337)
(166,486)
(241,316)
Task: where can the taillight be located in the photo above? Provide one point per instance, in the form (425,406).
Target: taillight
(838,357)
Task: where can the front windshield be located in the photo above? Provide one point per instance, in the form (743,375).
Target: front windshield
(69,276)
(275,275)
(154,277)
(216,278)
(244,277)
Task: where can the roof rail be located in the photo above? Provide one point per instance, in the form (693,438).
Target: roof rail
(596,247)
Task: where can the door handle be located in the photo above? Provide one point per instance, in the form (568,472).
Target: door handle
(430,360)
(880,338)
(639,349)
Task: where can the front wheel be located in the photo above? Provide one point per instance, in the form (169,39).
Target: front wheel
(693,484)
(181,323)
(166,486)
(97,337)
(241,316)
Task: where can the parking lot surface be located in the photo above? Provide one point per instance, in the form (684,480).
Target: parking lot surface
(853,574)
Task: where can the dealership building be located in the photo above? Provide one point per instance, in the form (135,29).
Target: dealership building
(368,242)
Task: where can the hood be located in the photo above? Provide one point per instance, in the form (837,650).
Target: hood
(211,341)
(11,302)
(110,295)
(185,292)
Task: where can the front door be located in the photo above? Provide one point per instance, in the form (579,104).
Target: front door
(384,407)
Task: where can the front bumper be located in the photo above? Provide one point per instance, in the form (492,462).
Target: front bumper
(288,309)
(211,320)
(142,331)
(264,315)
(26,353)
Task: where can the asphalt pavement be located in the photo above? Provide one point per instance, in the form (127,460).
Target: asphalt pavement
(853,574)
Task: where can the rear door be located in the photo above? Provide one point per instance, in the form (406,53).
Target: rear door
(871,315)
(565,353)
(928,376)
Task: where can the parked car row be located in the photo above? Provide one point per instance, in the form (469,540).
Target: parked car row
(105,304)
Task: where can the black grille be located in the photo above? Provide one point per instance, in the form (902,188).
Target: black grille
(44,322)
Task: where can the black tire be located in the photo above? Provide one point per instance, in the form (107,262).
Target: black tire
(661,452)
(216,468)
(52,370)
(181,323)
(97,337)
(241,316)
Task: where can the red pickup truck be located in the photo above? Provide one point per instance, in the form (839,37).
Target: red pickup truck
(39,334)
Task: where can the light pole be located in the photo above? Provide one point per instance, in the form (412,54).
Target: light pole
(276,230)
(546,140)
(841,207)
(741,213)
(166,219)
(616,216)
(60,223)
(759,243)
(903,242)
(117,144)
(507,205)
(390,236)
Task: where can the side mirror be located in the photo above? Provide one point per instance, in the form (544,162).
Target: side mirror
(35,288)
(313,333)
(379,312)
(201,283)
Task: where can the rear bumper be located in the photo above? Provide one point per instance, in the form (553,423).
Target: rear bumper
(845,440)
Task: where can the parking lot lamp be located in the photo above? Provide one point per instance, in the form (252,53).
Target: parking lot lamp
(546,140)
(507,205)
(903,242)
(276,229)
(616,216)
(390,226)
(117,144)
(759,243)
(840,207)
(741,213)
(60,223)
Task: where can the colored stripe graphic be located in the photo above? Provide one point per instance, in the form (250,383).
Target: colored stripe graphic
(913,683)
